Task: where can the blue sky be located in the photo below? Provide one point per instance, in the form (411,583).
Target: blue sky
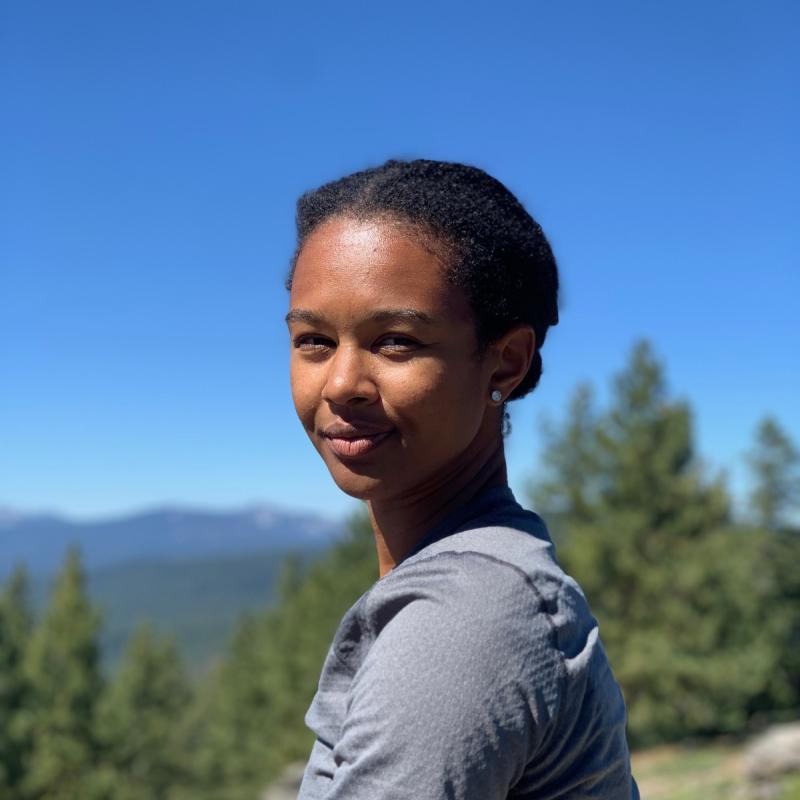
(151,154)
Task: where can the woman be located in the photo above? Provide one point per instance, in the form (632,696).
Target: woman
(421,295)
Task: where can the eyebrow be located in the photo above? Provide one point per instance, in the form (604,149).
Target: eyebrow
(379,315)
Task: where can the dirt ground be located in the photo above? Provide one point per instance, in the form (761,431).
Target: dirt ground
(708,772)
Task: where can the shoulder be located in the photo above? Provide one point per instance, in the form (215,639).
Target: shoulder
(500,578)
(470,613)
(469,590)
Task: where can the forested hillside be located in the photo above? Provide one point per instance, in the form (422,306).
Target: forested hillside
(197,600)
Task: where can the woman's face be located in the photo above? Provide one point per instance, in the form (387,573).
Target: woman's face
(384,372)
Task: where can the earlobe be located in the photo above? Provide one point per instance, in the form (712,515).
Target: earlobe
(515,351)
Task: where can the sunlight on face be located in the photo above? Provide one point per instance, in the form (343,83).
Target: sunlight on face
(384,372)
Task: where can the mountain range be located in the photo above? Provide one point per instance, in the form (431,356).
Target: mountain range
(162,534)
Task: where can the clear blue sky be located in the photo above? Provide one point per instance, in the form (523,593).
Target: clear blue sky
(151,154)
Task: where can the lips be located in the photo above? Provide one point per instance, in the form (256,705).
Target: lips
(352,441)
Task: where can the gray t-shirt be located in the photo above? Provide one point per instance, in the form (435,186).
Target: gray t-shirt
(472,670)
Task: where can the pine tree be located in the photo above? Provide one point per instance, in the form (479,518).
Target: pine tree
(650,540)
(303,628)
(569,461)
(139,719)
(232,723)
(63,672)
(15,627)
(774,462)
(252,722)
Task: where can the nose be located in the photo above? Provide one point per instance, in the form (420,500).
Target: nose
(349,381)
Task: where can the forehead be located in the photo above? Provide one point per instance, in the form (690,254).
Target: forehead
(351,266)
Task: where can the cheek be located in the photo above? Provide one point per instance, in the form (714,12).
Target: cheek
(439,400)
(304,393)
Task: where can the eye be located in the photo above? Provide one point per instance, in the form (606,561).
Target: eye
(398,344)
(312,343)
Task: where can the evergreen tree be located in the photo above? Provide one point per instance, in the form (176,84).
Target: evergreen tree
(774,463)
(569,460)
(232,723)
(139,720)
(650,540)
(15,626)
(62,670)
(303,628)
(252,722)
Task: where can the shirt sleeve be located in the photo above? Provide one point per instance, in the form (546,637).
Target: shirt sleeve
(457,689)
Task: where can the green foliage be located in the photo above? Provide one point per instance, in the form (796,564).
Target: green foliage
(251,722)
(775,464)
(681,594)
(304,624)
(774,461)
(62,670)
(143,735)
(139,720)
(197,600)
(569,461)
(228,731)
(15,627)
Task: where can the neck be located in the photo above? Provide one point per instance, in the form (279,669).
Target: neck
(400,523)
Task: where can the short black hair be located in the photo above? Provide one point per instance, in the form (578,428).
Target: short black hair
(492,247)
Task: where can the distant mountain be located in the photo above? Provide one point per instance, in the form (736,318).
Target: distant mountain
(166,534)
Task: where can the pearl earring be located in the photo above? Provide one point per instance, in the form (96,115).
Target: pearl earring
(497,395)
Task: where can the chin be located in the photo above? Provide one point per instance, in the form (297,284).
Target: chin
(358,486)
(361,486)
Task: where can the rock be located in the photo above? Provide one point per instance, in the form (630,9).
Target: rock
(774,753)
(287,786)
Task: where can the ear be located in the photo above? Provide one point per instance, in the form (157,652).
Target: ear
(513,353)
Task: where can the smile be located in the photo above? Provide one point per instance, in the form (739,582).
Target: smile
(356,446)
